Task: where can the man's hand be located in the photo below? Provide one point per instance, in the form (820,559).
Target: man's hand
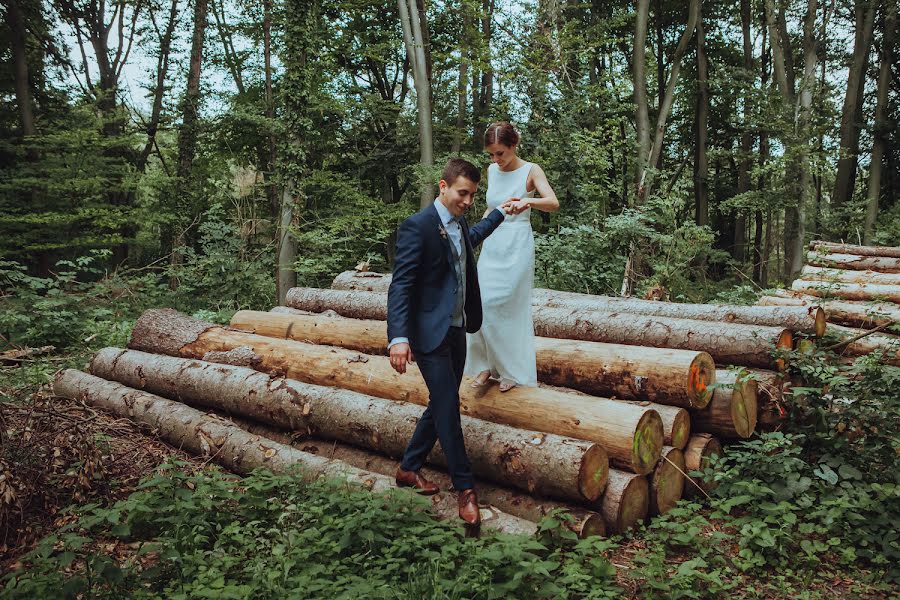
(400,355)
(514,206)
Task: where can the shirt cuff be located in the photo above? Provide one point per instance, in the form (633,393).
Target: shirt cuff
(398,340)
(502,212)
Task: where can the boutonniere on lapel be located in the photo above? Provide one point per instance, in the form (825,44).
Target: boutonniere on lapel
(442,231)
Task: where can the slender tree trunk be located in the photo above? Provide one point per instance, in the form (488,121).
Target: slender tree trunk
(882,126)
(462,84)
(701,168)
(162,69)
(415,49)
(16,23)
(641,105)
(660,68)
(187,135)
(845,177)
(745,162)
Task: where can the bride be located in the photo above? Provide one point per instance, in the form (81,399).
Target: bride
(504,346)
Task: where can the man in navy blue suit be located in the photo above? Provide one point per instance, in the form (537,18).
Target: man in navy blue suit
(433,300)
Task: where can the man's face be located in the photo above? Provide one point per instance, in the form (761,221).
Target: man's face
(459,195)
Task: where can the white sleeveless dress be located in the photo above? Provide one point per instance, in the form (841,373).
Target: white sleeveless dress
(505,343)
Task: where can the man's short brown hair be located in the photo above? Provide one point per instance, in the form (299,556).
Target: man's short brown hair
(457,167)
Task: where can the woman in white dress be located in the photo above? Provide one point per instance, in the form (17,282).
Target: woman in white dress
(504,346)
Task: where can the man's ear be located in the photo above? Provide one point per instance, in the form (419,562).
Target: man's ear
(442,184)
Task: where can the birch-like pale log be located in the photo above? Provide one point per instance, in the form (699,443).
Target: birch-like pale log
(851,313)
(667,481)
(548,464)
(584,523)
(860,262)
(732,343)
(665,376)
(848,291)
(240,451)
(873,342)
(811,322)
(837,248)
(631,435)
(734,408)
(813,273)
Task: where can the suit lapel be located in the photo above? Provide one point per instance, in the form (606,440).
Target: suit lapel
(443,235)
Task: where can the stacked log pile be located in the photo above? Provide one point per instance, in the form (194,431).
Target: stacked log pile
(859,289)
(633,395)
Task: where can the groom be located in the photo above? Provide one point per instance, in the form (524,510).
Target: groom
(433,300)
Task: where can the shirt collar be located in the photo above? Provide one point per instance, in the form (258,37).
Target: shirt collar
(443,213)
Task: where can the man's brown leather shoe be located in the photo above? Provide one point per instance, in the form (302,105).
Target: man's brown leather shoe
(468,507)
(414,480)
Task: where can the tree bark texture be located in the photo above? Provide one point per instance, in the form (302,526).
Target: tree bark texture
(584,523)
(795,320)
(860,262)
(734,343)
(625,503)
(667,481)
(852,313)
(848,291)
(631,435)
(697,454)
(732,413)
(835,248)
(701,163)
(676,377)
(240,451)
(876,342)
(813,273)
(541,463)
(16,23)
(641,104)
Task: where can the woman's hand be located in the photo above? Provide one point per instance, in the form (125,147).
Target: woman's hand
(514,206)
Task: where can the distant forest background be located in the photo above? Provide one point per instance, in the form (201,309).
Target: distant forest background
(199,145)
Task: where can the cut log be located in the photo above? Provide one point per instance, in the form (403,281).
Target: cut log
(697,454)
(545,463)
(836,248)
(848,291)
(858,262)
(796,320)
(734,343)
(851,313)
(584,523)
(771,388)
(631,435)
(733,411)
(874,342)
(812,273)
(625,503)
(240,451)
(667,481)
(676,423)
(665,376)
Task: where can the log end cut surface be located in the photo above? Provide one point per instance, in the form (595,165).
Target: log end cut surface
(821,320)
(681,429)
(626,502)
(166,331)
(745,406)
(667,483)
(594,472)
(701,376)
(648,443)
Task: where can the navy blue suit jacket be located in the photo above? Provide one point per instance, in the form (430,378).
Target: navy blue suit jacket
(423,288)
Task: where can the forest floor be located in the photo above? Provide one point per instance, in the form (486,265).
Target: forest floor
(60,458)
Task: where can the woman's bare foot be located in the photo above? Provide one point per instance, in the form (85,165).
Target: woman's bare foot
(481,379)
(507,384)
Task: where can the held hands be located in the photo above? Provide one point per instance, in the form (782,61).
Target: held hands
(514,206)
(401,354)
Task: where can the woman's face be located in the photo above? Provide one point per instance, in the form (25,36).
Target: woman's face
(501,154)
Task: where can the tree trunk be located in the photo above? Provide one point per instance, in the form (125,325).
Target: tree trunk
(676,377)
(859,262)
(701,168)
(697,453)
(844,312)
(16,23)
(735,343)
(667,481)
(415,49)
(187,135)
(536,462)
(625,503)
(641,104)
(811,322)
(732,413)
(240,451)
(631,435)
(813,273)
(848,291)
(676,423)
(875,342)
(286,275)
(584,523)
(833,248)
(745,162)
(880,134)
(770,397)
(845,176)
(462,84)
(162,68)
